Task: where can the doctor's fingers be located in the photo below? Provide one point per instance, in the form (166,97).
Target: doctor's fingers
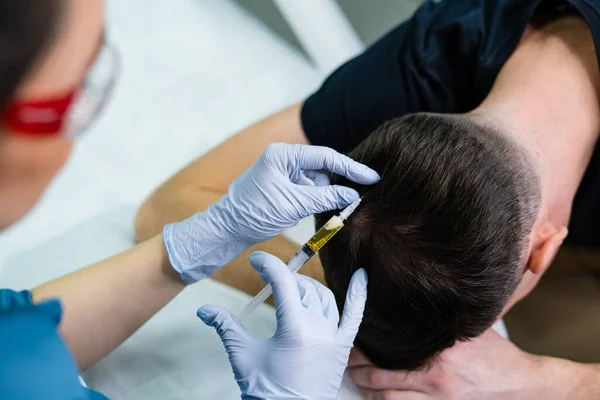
(283,282)
(319,199)
(227,326)
(318,178)
(325,302)
(308,293)
(324,158)
(354,307)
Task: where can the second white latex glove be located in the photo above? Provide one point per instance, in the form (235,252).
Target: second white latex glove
(307,356)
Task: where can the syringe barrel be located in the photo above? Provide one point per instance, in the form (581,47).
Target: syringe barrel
(314,244)
(300,258)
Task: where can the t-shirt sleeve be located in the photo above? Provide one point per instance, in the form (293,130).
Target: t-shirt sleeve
(414,68)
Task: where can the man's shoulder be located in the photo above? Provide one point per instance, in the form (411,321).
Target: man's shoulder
(454,34)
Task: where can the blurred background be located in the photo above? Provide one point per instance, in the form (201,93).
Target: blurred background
(194,73)
(370,19)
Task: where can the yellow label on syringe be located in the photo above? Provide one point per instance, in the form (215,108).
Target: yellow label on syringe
(323,235)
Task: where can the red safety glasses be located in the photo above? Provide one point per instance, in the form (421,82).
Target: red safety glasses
(72,112)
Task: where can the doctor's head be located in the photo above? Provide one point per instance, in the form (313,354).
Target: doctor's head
(47,48)
(449,237)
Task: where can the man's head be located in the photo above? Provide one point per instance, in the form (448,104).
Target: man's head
(445,236)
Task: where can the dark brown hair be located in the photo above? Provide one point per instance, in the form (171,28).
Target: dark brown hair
(443,236)
(26,29)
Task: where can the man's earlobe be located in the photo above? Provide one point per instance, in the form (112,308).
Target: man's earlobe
(546,245)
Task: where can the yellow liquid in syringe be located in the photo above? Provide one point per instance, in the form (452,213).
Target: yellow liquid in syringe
(323,235)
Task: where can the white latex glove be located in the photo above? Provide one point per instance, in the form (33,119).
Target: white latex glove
(286,184)
(307,356)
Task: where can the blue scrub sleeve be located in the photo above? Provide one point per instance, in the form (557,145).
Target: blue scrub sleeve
(35,362)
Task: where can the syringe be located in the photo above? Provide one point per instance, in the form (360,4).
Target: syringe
(309,249)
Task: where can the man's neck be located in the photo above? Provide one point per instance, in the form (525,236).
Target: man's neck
(547,97)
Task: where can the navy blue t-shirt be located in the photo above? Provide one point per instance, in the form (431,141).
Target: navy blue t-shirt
(444,59)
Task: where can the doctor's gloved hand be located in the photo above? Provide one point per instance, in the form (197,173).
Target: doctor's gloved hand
(286,184)
(307,356)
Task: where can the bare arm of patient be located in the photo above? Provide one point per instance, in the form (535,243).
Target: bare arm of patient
(205,180)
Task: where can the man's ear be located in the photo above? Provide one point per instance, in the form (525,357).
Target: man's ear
(546,243)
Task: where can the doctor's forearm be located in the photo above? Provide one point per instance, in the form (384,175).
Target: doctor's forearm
(107,302)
